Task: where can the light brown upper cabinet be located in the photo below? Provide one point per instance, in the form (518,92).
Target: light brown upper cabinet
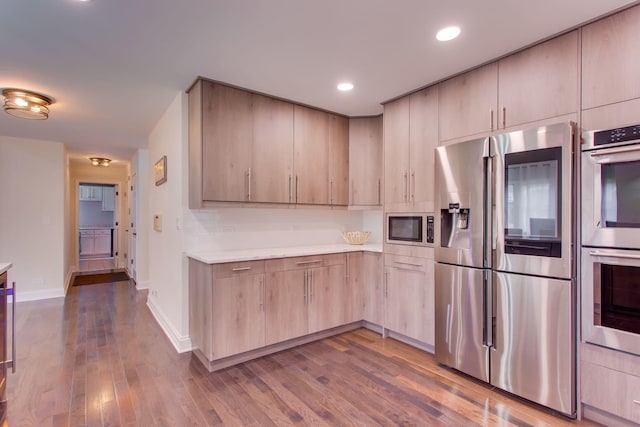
(532,85)
(321,142)
(311,133)
(365,161)
(539,83)
(467,103)
(251,148)
(610,63)
(227,139)
(410,135)
(338,160)
(272,168)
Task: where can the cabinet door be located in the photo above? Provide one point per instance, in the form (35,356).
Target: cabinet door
(108,199)
(286,305)
(409,302)
(540,82)
(338,160)
(467,103)
(86,242)
(423,139)
(272,167)
(372,285)
(328,297)
(238,315)
(396,151)
(311,132)
(610,64)
(227,132)
(354,304)
(85,192)
(102,242)
(365,161)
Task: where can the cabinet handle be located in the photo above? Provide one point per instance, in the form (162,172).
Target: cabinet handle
(491,119)
(351,192)
(249,186)
(412,186)
(386,284)
(297,188)
(308,262)
(504,117)
(637,402)
(404,194)
(290,179)
(241,269)
(12,362)
(331,191)
(379,191)
(305,288)
(261,294)
(408,263)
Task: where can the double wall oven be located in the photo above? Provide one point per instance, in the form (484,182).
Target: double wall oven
(611,238)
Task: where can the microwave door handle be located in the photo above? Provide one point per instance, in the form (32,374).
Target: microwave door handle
(614,254)
(616,154)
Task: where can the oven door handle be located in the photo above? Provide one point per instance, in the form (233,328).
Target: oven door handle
(627,153)
(613,254)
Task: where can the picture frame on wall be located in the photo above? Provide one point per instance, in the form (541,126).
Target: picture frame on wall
(160,171)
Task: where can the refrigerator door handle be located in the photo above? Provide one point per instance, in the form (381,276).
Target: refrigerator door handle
(488,309)
(447,338)
(489,240)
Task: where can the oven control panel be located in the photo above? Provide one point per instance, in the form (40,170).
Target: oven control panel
(613,136)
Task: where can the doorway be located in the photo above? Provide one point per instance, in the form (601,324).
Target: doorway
(97,226)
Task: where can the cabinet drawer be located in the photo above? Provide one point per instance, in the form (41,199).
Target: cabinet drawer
(86,233)
(610,390)
(295,263)
(406,262)
(101,232)
(231,269)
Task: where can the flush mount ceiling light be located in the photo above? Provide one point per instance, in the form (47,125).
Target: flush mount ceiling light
(448,33)
(345,86)
(99,161)
(25,104)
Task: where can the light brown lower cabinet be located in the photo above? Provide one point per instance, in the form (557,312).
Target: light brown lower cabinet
(610,382)
(242,310)
(409,297)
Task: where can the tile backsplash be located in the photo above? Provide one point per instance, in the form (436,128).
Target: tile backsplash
(255,228)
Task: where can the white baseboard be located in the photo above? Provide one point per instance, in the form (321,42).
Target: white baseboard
(69,279)
(182,344)
(142,284)
(38,295)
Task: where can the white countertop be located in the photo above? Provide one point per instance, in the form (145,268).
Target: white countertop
(4,266)
(218,257)
(96,227)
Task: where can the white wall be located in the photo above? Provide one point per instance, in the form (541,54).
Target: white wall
(216,229)
(32,222)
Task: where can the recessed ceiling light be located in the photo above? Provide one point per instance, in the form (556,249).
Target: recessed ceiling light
(448,33)
(345,86)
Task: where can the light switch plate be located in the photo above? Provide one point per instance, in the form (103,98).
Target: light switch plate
(157,222)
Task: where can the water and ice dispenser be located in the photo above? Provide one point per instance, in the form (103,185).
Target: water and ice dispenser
(454,227)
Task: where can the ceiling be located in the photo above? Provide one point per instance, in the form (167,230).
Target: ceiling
(114,66)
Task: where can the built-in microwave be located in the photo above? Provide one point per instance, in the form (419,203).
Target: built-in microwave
(410,228)
(611,188)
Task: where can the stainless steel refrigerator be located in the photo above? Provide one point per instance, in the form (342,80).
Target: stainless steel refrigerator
(504,277)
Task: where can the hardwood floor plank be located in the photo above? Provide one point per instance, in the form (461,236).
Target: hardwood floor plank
(98,357)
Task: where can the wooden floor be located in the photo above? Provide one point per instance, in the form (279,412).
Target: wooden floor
(97,358)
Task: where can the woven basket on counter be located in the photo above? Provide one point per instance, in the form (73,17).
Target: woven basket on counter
(356,237)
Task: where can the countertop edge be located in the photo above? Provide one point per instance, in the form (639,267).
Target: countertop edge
(4,266)
(219,257)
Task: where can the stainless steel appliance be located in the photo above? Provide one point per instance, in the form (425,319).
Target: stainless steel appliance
(611,238)
(505,295)
(611,298)
(410,228)
(611,188)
